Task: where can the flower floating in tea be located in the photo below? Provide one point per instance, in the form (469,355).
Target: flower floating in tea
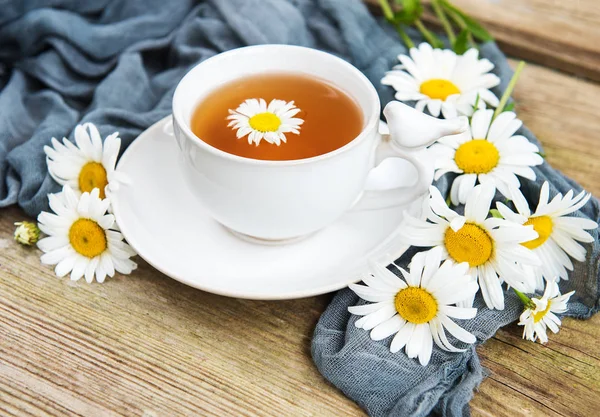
(418,309)
(89,165)
(81,237)
(487,153)
(558,233)
(491,246)
(443,81)
(259,121)
(541,313)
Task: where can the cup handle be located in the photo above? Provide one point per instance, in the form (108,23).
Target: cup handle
(420,158)
(411,131)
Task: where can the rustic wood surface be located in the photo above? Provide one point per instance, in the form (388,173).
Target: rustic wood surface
(562,34)
(145,345)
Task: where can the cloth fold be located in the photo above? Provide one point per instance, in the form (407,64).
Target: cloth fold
(116,63)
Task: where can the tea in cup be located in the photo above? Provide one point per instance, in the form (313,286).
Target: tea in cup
(277,141)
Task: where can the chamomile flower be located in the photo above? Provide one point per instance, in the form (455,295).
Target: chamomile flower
(27,233)
(488,153)
(81,239)
(490,246)
(89,165)
(443,81)
(417,309)
(261,121)
(558,233)
(543,315)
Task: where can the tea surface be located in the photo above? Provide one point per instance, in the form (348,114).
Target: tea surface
(331,117)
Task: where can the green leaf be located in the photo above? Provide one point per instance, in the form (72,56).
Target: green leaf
(510,106)
(410,12)
(413,7)
(461,43)
(404,18)
(474,27)
(448,201)
(495,213)
(436,41)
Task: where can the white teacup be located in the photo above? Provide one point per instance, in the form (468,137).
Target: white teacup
(280,200)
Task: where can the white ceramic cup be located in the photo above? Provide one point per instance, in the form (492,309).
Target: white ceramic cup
(281,200)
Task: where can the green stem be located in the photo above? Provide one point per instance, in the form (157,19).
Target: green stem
(389,16)
(444,20)
(405,38)
(457,18)
(524,299)
(509,89)
(387,10)
(476,105)
(426,33)
(472,40)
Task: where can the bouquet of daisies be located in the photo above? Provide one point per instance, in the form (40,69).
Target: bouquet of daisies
(472,242)
(83,238)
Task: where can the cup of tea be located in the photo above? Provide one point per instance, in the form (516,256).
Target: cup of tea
(277,141)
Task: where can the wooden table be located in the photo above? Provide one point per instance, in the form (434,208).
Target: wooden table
(145,345)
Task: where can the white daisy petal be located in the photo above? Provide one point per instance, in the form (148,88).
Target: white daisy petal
(369,294)
(79,240)
(90,269)
(466,186)
(402,337)
(386,312)
(55,256)
(387,328)
(443,81)
(439,206)
(417,310)
(283,112)
(480,123)
(84,143)
(427,347)
(417,340)
(65,265)
(440,338)
(457,331)
(536,320)
(79,268)
(459,312)
(365,309)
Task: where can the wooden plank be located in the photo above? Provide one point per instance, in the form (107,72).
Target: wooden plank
(563,113)
(564,35)
(146,345)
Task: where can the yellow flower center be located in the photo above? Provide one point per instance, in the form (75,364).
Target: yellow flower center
(438,88)
(540,314)
(93,175)
(477,156)
(87,238)
(416,305)
(265,122)
(543,226)
(470,244)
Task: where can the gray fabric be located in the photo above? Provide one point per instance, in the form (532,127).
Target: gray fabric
(116,63)
(388,384)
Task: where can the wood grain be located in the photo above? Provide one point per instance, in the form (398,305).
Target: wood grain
(145,345)
(564,35)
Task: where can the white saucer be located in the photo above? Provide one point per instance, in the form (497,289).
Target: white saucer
(169,228)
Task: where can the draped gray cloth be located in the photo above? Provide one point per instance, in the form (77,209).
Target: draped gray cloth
(116,63)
